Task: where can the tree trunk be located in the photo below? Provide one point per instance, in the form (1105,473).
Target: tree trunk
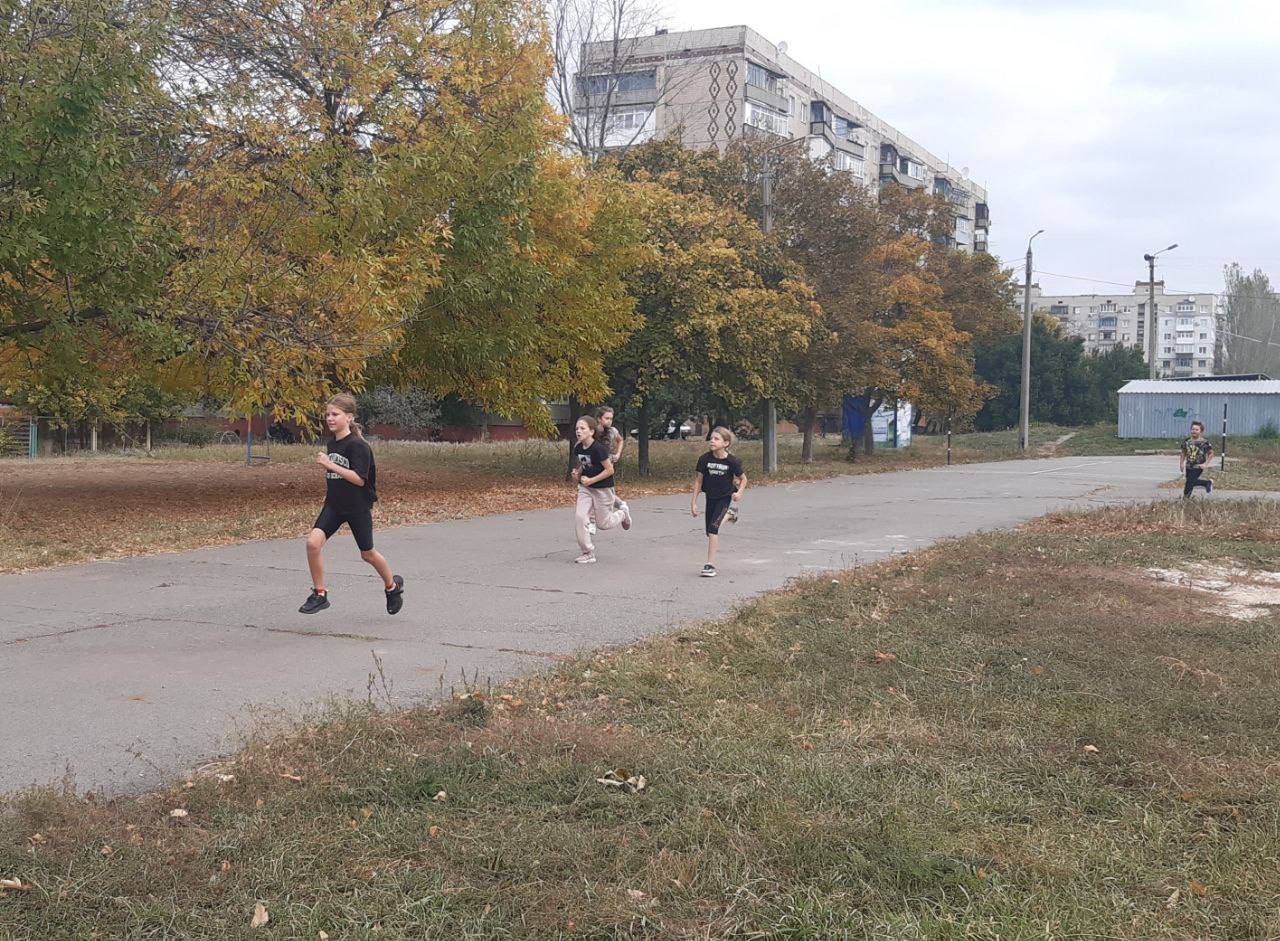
(810,419)
(642,446)
(868,434)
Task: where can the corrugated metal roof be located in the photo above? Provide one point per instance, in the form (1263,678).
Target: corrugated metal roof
(1206,386)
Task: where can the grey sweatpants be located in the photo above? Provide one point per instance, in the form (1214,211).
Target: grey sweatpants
(597,503)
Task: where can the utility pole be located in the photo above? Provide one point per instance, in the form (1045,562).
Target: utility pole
(770,431)
(1024,406)
(1153,319)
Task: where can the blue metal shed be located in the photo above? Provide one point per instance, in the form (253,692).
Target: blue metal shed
(1165,408)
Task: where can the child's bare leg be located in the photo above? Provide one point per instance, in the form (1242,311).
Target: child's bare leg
(374,558)
(315,562)
(713,543)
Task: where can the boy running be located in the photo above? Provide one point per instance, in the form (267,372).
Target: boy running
(1195,454)
(720,476)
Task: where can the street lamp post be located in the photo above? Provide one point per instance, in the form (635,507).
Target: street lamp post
(1024,406)
(1153,321)
(769,434)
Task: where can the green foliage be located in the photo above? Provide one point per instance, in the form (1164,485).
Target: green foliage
(411,408)
(1067,387)
(1268,431)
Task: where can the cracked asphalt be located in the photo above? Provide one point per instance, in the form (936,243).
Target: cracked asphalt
(123,674)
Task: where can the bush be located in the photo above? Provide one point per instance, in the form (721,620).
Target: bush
(190,435)
(1269,431)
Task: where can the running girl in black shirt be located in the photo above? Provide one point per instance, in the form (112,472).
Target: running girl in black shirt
(593,472)
(351,476)
(721,477)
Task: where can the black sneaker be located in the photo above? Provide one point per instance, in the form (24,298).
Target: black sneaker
(395,596)
(316,601)
(1208,486)
(708,571)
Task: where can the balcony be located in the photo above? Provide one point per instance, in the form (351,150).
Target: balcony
(768,98)
(980,245)
(889,172)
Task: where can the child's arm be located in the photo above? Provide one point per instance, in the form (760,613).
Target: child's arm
(697,489)
(345,473)
(741,483)
(622,446)
(603,475)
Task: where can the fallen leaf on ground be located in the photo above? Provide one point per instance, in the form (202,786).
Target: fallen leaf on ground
(260,916)
(441,797)
(323,936)
(434,831)
(881,657)
(178,813)
(1037,670)
(635,894)
(1199,888)
(14,885)
(107,851)
(36,839)
(620,779)
(296,779)
(1091,749)
(225,778)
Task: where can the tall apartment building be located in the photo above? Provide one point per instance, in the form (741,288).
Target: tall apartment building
(715,86)
(1188,324)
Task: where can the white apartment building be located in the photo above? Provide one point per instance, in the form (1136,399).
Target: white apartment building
(714,86)
(1188,324)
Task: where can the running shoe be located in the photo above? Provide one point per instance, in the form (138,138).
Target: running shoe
(733,514)
(626,515)
(395,596)
(1208,486)
(708,571)
(315,602)
(587,558)
(591,527)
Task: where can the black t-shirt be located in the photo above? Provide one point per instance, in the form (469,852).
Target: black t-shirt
(591,460)
(1197,452)
(718,475)
(353,453)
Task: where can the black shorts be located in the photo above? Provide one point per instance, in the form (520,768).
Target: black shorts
(360,521)
(717,507)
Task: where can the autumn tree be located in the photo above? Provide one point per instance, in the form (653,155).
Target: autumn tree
(87,137)
(722,308)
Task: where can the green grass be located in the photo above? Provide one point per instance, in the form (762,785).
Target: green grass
(1009,736)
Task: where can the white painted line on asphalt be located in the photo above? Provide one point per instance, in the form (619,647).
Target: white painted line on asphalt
(1063,470)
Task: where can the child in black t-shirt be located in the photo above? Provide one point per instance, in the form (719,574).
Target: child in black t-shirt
(351,478)
(721,477)
(593,473)
(1195,453)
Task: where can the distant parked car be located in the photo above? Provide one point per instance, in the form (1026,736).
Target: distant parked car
(683,431)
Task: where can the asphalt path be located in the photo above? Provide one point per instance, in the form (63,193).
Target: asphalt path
(119,675)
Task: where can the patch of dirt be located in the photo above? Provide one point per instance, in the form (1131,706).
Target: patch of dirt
(1238,592)
(1050,449)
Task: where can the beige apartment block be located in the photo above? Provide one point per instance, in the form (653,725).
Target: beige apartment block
(715,86)
(1188,324)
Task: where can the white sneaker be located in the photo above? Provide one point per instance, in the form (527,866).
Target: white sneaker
(626,515)
(586,558)
(591,527)
(708,571)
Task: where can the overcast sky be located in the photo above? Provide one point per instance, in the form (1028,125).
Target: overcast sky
(1118,127)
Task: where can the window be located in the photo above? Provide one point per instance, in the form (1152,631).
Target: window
(1204,349)
(1204,336)
(1167,336)
(1075,310)
(1108,308)
(1106,321)
(1186,307)
(964,230)
(912,169)
(623,82)
(1167,349)
(844,128)
(766,119)
(1093,336)
(1203,364)
(1126,338)
(761,77)
(1204,308)
(1108,334)
(791,105)
(629,126)
(849,163)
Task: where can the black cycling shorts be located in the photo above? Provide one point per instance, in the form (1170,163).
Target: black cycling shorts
(360,521)
(717,507)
